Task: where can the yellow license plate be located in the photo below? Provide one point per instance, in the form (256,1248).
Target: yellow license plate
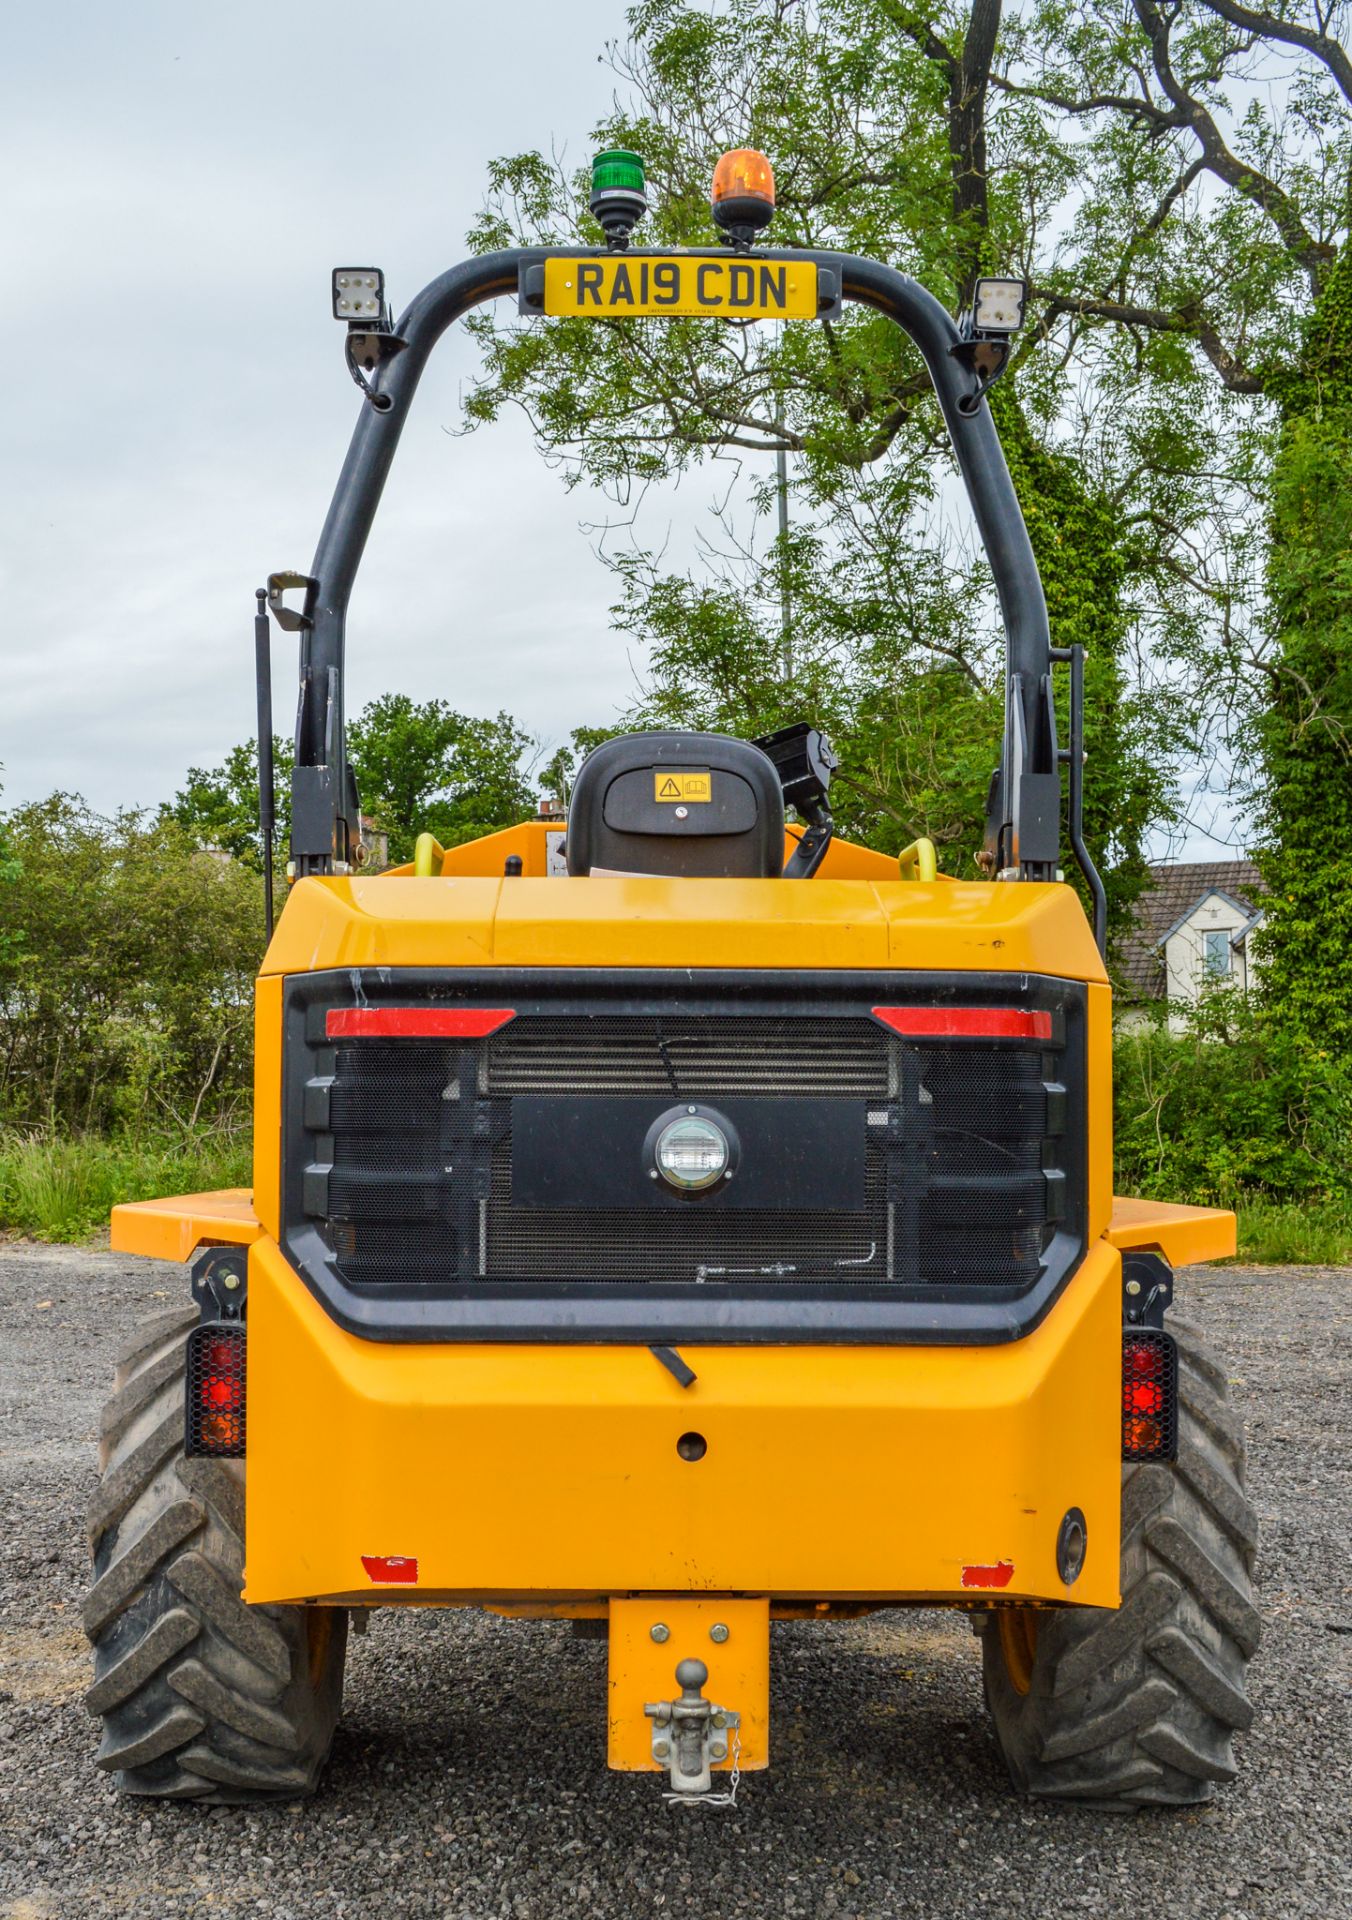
(624,285)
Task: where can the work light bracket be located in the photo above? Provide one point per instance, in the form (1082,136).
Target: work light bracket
(220,1284)
(291,619)
(1147,1288)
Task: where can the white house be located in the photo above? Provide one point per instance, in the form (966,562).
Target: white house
(1193,927)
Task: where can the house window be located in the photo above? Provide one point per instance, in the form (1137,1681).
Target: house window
(1216,953)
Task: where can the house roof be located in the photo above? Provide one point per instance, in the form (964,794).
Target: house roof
(1174,890)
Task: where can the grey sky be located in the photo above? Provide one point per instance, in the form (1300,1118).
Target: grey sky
(180,179)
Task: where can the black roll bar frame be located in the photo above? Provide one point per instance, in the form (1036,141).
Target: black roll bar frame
(1023,815)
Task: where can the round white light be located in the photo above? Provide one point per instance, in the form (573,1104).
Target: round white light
(692,1153)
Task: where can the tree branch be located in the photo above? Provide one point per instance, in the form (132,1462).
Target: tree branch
(1269,26)
(1234,375)
(1312,255)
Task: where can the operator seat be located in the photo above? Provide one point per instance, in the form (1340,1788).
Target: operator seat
(681,804)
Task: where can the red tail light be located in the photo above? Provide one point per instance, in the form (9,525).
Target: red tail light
(1149,1396)
(216,1392)
(415,1023)
(966,1023)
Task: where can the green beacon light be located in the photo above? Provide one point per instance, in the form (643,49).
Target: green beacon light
(618,200)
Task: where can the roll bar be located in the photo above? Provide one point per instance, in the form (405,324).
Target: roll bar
(1023,814)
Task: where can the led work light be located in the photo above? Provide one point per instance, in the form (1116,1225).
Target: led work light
(998,305)
(358,294)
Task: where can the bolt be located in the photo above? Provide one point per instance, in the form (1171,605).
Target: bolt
(660,1749)
(719,1720)
(1133,1286)
(718,1753)
(659,1633)
(692,1109)
(231,1280)
(718,1633)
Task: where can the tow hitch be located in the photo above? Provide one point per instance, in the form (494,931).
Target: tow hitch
(690,1733)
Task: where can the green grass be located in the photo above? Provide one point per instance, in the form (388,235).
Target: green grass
(1289,1234)
(62,1189)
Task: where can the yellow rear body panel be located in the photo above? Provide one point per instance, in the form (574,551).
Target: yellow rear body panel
(473,921)
(537,1472)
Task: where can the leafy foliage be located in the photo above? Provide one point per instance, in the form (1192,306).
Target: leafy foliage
(420,767)
(1306,726)
(126,993)
(1237,1106)
(423,767)
(889,144)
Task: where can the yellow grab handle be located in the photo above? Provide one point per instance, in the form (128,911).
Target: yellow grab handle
(919,861)
(428,856)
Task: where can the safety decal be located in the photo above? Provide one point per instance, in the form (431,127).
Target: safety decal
(683,786)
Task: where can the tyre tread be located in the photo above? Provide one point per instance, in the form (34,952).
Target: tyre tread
(1137,1707)
(200,1696)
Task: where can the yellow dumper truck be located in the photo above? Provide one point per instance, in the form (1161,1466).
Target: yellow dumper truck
(675,1218)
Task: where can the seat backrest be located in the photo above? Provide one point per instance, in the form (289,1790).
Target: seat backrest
(677,803)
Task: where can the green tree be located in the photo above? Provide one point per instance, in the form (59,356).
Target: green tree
(1306,728)
(218,806)
(126,990)
(1227,309)
(420,766)
(881,118)
(423,767)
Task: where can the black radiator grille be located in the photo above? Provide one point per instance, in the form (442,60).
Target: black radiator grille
(413,1176)
(698,1056)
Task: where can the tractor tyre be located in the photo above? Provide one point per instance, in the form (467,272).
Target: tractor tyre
(1120,1710)
(201,1697)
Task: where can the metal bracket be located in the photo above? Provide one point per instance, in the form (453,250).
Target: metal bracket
(367,348)
(690,1733)
(220,1284)
(290,619)
(985,356)
(1147,1289)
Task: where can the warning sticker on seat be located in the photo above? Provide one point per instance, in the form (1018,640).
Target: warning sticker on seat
(683,786)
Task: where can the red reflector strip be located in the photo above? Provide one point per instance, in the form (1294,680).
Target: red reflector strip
(391,1569)
(415,1023)
(999,1575)
(966,1023)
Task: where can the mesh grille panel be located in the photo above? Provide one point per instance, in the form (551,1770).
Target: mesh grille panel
(700,1056)
(419,1189)
(694,1244)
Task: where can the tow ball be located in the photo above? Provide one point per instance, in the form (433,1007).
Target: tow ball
(690,1733)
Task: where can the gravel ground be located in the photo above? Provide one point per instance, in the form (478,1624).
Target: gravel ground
(468,1778)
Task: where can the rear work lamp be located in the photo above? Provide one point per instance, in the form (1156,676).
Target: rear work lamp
(359,294)
(1149,1395)
(743,194)
(997,306)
